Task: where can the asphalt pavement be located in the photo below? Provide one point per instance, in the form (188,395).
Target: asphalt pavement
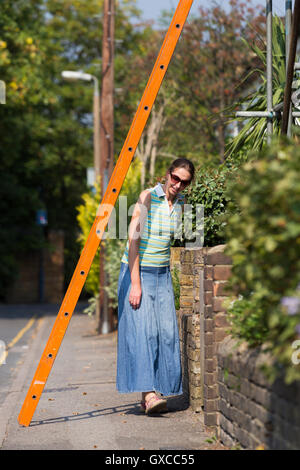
(80,408)
(17,326)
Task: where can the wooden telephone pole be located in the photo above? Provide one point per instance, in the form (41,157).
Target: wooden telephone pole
(290,67)
(104,312)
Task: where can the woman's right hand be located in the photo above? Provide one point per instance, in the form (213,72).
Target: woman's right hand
(135,295)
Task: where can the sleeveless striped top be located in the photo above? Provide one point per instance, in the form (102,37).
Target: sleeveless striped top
(159,229)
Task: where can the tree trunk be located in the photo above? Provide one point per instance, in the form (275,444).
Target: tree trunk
(148,148)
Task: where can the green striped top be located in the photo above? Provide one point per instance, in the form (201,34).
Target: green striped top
(160,228)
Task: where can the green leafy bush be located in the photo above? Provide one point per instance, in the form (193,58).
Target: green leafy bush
(209,189)
(176,287)
(86,215)
(114,248)
(262,233)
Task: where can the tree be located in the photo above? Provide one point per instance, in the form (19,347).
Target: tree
(148,147)
(46,131)
(20,67)
(209,64)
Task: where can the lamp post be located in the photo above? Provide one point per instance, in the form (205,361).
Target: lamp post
(102,302)
(74,76)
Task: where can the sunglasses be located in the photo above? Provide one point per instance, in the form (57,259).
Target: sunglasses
(176,179)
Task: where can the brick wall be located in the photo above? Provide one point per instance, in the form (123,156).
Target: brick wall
(202,322)
(220,378)
(189,263)
(252,412)
(217,269)
(26,287)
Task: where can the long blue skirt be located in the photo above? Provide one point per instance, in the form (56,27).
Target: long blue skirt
(148,339)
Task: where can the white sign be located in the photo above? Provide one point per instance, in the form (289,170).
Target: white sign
(2,92)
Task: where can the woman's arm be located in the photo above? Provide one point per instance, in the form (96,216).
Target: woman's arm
(136,228)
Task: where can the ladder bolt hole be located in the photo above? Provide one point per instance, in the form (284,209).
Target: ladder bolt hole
(130,149)
(162,67)
(34,397)
(82,273)
(178,25)
(66,314)
(50,355)
(146,108)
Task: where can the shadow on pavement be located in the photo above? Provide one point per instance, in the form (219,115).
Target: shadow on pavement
(175,404)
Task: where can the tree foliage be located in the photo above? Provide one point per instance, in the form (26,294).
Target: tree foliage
(113,243)
(253,134)
(209,189)
(20,67)
(46,124)
(210,62)
(262,235)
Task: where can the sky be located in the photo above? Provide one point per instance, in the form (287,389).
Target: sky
(151,8)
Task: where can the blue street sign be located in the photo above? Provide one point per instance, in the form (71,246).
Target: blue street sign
(41,217)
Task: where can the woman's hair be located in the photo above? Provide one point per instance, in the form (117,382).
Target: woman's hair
(182,163)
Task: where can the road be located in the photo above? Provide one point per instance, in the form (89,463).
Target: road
(18,324)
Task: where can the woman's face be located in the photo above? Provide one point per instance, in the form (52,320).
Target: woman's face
(177,180)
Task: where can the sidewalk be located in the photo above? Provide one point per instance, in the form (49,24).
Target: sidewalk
(80,408)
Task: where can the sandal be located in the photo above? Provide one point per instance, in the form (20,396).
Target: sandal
(143,405)
(154,405)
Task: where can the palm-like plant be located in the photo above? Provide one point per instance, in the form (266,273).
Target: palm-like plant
(253,134)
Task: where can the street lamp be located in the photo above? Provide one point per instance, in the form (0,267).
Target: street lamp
(72,77)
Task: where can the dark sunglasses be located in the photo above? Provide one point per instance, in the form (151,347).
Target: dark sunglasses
(176,179)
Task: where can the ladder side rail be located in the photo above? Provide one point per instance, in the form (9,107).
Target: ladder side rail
(103,213)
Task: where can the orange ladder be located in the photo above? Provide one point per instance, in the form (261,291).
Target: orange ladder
(104,211)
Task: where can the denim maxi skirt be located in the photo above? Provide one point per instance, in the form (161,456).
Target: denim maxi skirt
(148,339)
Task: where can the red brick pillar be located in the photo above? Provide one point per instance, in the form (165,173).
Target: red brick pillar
(217,270)
(54,267)
(190,265)
(25,289)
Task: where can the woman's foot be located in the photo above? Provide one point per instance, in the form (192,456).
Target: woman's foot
(151,403)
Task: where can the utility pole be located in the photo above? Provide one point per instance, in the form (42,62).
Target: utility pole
(269,12)
(96,114)
(290,67)
(104,312)
(107,90)
(288,27)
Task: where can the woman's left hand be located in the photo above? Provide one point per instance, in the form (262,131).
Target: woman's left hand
(135,296)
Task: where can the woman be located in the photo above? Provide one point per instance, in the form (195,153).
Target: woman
(148,340)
